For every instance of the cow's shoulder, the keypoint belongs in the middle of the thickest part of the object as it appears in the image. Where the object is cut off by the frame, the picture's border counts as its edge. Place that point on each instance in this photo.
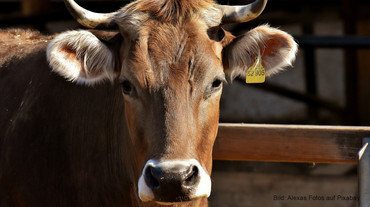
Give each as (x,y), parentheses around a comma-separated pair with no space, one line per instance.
(16,44)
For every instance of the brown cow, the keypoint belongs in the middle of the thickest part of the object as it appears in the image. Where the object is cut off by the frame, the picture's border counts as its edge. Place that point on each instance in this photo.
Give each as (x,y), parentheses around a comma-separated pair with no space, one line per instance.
(144,138)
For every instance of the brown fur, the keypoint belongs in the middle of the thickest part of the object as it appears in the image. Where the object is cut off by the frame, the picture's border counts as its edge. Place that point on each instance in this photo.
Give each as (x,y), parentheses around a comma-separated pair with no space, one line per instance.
(74,148)
(63,144)
(173,71)
(173,10)
(18,43)
(60,144)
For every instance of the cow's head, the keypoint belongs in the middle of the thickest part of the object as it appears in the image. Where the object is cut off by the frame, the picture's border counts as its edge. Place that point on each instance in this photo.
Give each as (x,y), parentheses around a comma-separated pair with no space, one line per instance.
(171,57)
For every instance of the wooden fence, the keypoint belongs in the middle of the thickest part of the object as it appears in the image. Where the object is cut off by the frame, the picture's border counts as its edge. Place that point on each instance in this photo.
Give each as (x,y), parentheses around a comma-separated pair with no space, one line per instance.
(298,143)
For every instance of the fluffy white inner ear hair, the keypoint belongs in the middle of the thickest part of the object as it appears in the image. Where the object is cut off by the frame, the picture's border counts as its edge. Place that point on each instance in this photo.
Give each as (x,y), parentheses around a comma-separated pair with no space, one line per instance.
(81,57)
(276,49)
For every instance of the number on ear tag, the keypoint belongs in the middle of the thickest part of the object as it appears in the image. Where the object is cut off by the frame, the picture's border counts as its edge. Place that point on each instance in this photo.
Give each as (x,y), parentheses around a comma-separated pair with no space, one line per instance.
(256,73)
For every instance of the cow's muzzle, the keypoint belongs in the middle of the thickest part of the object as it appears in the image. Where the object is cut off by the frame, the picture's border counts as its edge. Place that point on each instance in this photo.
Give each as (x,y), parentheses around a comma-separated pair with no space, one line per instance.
(173,181)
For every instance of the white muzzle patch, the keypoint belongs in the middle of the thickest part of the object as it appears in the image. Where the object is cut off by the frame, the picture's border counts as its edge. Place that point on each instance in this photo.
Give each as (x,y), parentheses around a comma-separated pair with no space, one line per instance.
(202,188)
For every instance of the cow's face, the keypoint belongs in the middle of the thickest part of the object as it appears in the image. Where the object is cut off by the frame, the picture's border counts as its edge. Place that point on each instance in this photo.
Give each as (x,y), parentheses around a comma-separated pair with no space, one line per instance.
(171,70)
(172,81)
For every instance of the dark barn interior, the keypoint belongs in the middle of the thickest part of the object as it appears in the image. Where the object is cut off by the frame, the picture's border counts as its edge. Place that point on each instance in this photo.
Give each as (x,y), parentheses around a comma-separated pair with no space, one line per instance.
(328,85)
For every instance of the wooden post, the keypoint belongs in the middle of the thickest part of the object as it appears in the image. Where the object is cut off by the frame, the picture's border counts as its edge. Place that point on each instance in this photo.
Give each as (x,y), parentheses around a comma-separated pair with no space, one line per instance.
(364,173)
(310,73)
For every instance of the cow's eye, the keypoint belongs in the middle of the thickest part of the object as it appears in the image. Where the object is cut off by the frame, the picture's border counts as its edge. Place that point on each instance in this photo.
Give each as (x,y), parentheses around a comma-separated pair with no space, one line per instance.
(216,83)
(126,87)
(214,87)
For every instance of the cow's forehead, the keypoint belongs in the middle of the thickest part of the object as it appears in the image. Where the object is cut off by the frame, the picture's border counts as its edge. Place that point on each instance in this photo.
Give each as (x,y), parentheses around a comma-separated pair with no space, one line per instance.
(165,54)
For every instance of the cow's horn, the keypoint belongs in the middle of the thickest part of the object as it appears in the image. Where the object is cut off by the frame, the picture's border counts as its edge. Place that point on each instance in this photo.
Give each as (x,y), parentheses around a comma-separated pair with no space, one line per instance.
(90,19)
(239,14)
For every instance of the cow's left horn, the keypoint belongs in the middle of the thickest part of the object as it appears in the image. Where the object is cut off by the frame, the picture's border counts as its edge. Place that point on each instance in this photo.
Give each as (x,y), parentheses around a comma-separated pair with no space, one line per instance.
(239,14)
(90,19)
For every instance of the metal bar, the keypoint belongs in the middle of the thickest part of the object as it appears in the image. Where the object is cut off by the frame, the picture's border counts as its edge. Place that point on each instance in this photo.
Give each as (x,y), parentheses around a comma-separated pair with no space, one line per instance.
(297,96)
(349,10)
(363,173)
(333,42)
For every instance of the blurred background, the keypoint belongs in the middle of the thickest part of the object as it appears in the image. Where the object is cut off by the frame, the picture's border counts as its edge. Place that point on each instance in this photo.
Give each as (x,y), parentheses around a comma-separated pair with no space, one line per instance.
(328,84)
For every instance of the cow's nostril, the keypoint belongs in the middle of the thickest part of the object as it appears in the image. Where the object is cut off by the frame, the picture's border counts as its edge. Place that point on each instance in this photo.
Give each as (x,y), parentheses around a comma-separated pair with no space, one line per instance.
(150,178)
(192,177)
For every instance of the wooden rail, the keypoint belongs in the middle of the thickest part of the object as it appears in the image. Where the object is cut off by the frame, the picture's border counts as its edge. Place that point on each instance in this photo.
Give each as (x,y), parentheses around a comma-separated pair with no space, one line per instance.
(289,143)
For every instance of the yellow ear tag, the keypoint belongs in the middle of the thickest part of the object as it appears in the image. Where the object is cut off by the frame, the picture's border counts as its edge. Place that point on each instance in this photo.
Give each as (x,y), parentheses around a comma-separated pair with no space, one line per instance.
(256,73)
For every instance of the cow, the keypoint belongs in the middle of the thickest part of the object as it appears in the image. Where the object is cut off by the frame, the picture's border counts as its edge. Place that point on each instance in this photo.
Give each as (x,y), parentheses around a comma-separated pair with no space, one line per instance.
(125,113)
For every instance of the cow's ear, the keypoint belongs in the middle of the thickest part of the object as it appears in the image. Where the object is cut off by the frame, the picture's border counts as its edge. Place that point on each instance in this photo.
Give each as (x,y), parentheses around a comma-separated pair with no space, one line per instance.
(274,47)
(84,57)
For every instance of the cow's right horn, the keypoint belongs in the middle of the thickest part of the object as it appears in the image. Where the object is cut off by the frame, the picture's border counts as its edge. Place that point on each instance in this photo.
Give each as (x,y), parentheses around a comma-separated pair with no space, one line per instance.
(91,19)
(239,14)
